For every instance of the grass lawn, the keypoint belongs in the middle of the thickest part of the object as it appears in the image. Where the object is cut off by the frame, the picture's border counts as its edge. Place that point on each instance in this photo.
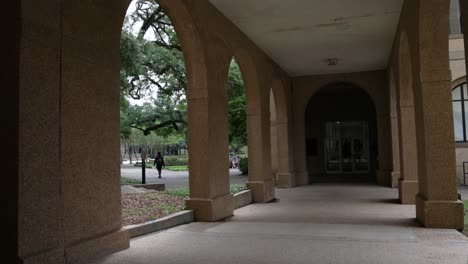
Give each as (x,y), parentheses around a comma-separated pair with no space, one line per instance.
(138,208)
(184,192)
(177,168)
(128,181)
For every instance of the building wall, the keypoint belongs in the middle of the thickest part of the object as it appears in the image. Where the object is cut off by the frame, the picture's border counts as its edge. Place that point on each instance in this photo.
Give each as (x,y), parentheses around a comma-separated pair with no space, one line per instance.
(458,68)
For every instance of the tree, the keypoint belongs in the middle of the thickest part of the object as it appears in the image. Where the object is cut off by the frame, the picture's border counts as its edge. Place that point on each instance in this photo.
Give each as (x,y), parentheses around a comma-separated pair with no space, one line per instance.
(153,68)
(151,64)
(237,117)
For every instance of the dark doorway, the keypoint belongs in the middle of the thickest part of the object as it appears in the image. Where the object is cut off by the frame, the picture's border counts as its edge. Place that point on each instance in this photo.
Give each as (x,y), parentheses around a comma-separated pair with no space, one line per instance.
(341,135)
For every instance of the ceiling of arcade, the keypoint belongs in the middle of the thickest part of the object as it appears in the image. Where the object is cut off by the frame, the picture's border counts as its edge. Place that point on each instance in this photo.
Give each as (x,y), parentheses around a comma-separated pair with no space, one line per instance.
(308,37)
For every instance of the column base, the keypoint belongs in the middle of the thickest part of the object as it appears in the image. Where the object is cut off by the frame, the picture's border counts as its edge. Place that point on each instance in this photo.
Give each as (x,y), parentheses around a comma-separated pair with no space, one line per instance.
(211,210)
(98,247)
(302,178)
(56,256)
(407,191)
(84,251)
(262,191)
(384,178)
(396,179)
(285,180)
(439,214)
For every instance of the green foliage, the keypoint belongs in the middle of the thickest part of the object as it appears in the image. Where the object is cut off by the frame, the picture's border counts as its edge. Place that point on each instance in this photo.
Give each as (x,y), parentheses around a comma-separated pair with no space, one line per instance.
(177,168)
(237,121)
(236,188)
(176,160)
(185,192)
(182,192)
(152,63)
(237,117)
(244,165)
(128,181)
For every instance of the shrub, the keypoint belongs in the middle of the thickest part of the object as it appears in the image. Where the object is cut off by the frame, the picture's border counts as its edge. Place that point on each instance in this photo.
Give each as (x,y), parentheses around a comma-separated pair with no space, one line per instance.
(236,188)
(176,160)
(244,165)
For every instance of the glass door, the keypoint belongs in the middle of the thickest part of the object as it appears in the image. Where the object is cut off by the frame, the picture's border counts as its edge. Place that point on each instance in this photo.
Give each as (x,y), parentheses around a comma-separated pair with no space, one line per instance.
(347,147)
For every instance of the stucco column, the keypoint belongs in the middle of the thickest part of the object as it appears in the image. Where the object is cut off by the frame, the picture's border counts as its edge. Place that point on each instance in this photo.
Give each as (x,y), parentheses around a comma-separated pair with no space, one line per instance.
(437,202)
(408,183)
(261,180)
(385,163)
(285,177)
(210,196)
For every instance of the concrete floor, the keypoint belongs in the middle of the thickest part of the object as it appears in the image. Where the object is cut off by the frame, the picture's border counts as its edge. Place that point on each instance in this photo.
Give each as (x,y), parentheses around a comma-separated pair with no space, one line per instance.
(324,223)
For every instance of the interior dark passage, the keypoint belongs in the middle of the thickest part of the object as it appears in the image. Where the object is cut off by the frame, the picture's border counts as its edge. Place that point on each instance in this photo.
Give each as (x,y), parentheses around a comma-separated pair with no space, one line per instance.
(341,135)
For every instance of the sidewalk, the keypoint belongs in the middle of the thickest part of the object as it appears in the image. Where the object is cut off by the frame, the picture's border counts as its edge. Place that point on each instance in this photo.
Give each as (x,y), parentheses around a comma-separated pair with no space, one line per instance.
(172,179)
(324,223)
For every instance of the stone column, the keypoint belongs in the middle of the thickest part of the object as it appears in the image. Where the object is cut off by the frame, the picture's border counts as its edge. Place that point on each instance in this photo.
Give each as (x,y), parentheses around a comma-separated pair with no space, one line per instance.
(210,196)
(286,178)
(385,164)
(408,183)
(260,176)
(437,204)
(395,133)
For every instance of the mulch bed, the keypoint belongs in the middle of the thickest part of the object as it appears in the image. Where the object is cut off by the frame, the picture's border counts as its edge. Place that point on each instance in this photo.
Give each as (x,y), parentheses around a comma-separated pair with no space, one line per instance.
(138,208)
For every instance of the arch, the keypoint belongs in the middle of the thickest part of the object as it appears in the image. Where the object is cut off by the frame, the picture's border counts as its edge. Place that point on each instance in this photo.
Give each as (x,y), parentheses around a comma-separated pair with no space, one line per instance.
(190,41)
(257,94)
(341,107)
(458,82)
(280,99)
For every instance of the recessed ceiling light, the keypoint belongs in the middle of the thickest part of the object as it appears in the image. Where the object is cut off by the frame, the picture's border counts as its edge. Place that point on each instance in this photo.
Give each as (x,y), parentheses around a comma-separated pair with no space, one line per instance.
(332,61)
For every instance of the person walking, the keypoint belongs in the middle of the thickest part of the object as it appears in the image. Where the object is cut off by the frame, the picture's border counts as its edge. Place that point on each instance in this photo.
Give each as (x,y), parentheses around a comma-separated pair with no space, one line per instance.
(159,163)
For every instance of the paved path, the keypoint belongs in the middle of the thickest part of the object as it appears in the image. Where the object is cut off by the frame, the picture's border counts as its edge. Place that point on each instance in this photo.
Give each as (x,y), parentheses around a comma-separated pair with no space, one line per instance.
(324,223)
(172,179)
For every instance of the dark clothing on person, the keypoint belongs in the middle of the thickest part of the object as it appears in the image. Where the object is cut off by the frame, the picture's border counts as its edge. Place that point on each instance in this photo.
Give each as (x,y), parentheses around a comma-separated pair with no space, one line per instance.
(159,163)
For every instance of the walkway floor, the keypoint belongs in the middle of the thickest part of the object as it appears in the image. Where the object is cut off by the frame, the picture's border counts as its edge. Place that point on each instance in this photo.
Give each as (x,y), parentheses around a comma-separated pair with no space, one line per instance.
(324,223)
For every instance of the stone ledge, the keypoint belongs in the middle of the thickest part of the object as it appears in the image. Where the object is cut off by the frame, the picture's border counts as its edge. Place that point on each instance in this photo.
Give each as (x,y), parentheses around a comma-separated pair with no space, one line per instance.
(242,199)
(173,220)
(155,186)
(86,251)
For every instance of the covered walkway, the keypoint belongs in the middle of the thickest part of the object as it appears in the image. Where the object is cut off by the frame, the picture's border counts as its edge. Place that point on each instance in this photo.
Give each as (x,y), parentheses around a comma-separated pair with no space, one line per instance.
(323,223)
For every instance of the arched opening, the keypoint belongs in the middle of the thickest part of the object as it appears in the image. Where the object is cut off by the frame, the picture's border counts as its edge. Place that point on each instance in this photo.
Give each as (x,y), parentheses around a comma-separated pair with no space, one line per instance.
(237,124)
(341,134)
(153,115)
